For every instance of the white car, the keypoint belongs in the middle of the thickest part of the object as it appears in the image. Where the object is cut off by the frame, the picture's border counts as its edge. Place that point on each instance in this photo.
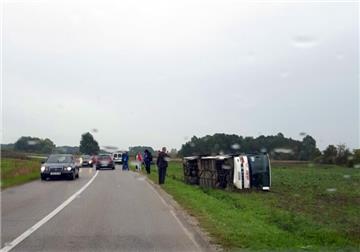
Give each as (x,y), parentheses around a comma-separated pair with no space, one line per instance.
(117,157)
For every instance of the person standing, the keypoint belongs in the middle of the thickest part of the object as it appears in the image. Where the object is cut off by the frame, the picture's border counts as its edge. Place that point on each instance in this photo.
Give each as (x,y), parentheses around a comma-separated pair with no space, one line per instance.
(162,164)
(139,160)
(125,161)
(147,160)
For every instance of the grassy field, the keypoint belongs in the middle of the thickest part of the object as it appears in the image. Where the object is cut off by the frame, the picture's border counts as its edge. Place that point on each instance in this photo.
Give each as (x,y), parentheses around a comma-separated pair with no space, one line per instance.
(18,171)
(309,208)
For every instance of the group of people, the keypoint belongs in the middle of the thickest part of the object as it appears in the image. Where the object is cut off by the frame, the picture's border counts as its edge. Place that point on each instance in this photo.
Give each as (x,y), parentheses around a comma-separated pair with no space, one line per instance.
(146,159)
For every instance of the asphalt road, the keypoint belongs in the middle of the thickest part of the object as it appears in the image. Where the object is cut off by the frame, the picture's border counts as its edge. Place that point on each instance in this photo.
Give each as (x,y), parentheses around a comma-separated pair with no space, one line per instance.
(117,211)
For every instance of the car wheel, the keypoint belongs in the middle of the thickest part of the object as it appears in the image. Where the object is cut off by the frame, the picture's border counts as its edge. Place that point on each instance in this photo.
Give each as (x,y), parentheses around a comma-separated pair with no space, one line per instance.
(43,178)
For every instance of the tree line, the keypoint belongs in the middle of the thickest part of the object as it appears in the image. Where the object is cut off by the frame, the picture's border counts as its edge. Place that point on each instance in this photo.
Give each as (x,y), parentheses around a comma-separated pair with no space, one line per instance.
(277,146)
(340,155)
(88,145)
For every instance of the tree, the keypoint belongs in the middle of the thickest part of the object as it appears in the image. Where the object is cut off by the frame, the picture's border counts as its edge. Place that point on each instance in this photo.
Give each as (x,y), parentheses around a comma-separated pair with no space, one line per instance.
(22,144)
(173,153)
(280,135)
(343,154)
(88,145)
(329,155)
(308,149)
(47,146)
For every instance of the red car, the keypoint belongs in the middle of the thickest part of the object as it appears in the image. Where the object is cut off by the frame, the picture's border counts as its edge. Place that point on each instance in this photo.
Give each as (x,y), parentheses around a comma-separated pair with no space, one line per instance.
(104,161)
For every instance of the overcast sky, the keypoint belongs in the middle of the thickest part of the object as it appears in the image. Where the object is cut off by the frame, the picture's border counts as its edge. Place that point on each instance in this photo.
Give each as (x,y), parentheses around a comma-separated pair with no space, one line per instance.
(158,72)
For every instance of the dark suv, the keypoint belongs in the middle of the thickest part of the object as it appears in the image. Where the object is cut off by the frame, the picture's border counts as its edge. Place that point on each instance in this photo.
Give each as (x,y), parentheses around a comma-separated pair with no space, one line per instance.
(59,165)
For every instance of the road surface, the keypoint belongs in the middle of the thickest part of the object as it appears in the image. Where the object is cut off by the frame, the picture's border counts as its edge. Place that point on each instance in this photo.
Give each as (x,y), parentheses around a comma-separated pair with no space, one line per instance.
(115,211)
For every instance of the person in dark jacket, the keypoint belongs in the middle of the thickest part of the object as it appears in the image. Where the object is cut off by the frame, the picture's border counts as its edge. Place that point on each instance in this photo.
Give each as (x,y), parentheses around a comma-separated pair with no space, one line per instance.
(147,160)
(162,165)
(125,160)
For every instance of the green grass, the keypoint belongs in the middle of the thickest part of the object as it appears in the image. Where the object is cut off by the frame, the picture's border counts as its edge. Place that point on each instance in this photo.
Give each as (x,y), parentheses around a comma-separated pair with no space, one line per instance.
(298,214)
(18,171)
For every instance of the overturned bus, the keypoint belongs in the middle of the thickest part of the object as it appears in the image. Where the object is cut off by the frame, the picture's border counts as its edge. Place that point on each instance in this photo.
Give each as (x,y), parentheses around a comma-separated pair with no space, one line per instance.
(228,171)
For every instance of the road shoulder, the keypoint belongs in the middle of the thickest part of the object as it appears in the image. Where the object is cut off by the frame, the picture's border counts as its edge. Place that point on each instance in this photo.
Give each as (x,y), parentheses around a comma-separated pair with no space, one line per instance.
(191,225)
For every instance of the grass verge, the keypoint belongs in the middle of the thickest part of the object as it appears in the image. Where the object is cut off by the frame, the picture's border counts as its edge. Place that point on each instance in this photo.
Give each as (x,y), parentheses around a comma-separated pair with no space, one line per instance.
(311,208)
(18,171)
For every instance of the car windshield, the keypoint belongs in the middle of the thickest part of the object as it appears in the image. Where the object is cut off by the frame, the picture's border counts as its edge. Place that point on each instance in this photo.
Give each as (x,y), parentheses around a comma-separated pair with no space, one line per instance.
(85,157)
(59,159)
(103,157)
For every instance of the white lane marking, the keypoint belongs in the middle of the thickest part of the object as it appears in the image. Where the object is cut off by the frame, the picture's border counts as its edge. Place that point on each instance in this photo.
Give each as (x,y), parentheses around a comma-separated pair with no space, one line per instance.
(186,231)
(27,233)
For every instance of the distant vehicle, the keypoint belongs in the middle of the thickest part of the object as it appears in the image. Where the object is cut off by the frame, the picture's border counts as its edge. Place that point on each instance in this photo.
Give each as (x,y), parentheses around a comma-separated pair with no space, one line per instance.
(117,157)
(86,160)
(59,165)
(93,160)
(104,161)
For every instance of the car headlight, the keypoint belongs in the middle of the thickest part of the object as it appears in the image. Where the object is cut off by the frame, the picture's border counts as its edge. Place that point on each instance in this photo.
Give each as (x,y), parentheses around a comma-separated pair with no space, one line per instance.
(42,168)
(69,168)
